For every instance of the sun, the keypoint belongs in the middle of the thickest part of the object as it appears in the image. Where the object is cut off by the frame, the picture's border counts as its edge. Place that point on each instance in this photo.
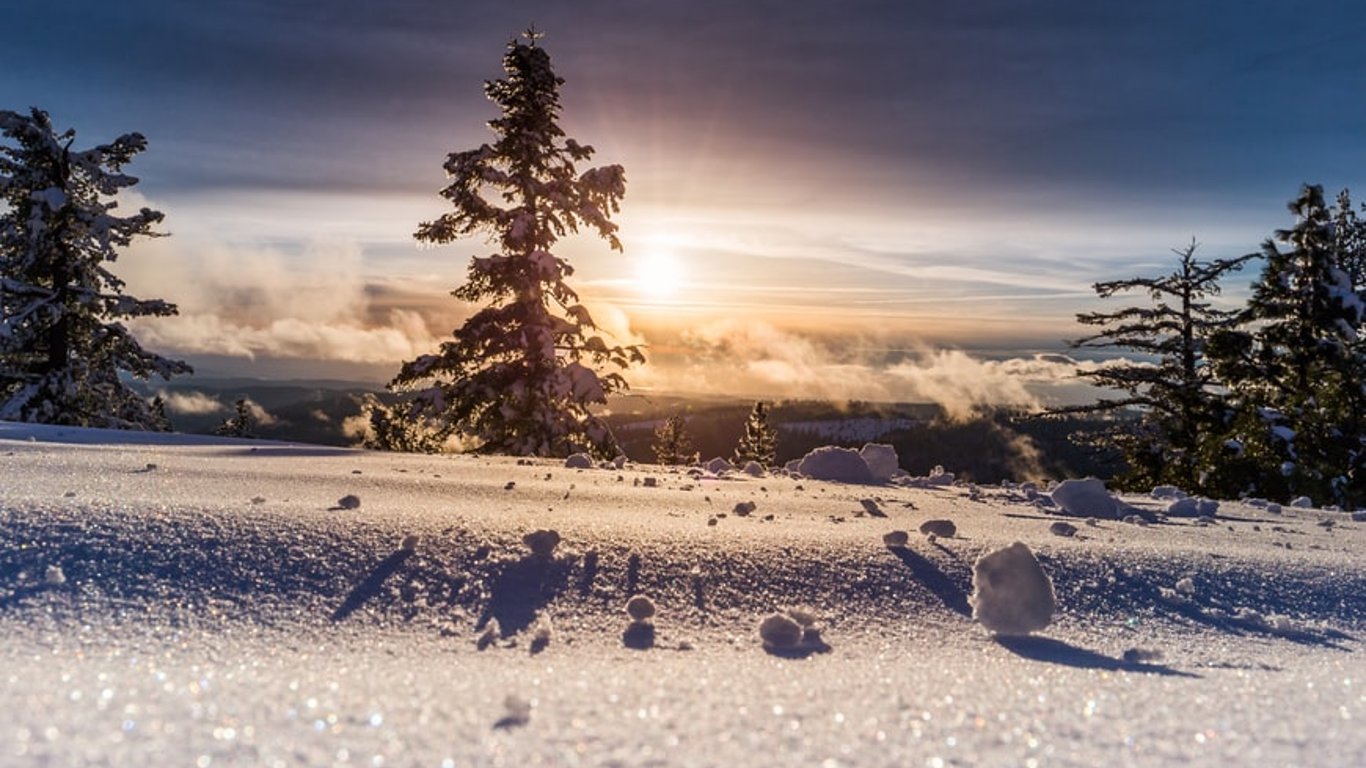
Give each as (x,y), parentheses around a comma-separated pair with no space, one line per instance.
(659,275)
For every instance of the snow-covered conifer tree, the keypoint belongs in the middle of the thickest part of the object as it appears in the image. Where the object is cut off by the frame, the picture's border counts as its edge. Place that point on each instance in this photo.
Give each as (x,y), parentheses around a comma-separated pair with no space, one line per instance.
(62,349)
(1295,365)
(520,375)
(673,444)
(240,423)
(759,441)
(1172,386)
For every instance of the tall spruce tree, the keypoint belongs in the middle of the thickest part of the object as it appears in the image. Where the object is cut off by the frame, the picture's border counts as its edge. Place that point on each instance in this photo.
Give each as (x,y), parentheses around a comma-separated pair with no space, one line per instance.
(759,441)
(1172,386)
(520,375)
(62,349)
(1295,366)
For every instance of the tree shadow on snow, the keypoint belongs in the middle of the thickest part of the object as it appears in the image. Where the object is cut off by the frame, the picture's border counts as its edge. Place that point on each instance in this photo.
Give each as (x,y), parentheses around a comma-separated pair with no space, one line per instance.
(1054,651)
(935,580)
(523,588)
(370,587)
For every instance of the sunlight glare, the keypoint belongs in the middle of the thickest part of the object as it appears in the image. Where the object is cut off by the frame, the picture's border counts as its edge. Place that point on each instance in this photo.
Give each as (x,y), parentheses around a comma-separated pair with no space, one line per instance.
(659,275)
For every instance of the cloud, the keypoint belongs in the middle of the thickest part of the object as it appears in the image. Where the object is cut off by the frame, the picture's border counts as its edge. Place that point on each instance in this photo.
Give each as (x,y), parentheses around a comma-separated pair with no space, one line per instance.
(191,403)
(249,301)
(756,359)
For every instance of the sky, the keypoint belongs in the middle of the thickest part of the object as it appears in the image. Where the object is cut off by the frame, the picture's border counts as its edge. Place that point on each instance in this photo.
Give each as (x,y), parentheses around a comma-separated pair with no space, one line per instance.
(871,200)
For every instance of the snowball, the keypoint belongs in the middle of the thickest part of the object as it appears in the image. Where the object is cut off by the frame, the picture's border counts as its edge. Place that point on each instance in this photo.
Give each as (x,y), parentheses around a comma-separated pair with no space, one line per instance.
(1302,502)
(640,608)
(881,460)
(718,466)
(1085,498)
(894,539)
(841,465)
(753,469)
(542,543)
(579,461)
(780,631)
(745,509)
(1273,508)
(349,501)
(944,529)
(1011,595)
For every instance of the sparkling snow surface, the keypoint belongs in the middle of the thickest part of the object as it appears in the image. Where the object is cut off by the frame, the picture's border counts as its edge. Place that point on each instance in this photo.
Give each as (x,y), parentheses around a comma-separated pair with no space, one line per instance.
(217,607)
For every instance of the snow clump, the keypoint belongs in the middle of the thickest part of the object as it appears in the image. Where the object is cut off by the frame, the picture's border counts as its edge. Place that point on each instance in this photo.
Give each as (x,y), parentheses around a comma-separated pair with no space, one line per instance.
(840,465)
(943,529)
(895,539)
(881,460)
(54,576)
(718,466)
(349,501)
(1061,528)
(1011,595)
(753,469)
(640,608)
(1302,502)
(542,543)
(579,461)
(1085,498)
(780,631)
(744,509)
(1167,492)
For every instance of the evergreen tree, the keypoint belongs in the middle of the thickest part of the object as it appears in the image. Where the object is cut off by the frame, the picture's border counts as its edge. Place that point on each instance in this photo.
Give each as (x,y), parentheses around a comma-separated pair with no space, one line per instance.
(519,376)
(673,444)
(1172,386)
(1295,364)
(759,441)
(240,424)
(62,349)
(391,430)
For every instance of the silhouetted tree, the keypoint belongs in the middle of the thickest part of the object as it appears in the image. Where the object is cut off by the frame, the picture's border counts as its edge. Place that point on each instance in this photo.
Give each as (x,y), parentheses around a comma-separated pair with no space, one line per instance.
(391,430)
(1172,385)
(62,349)
(673,444)
(519,376)
(240,423)
(759,440)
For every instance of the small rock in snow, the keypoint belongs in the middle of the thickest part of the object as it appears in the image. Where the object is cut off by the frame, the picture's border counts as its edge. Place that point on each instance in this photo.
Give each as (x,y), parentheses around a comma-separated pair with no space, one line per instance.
(1061,528)
(1011,595)
(640,608)
(1085,498)
(780,631)
(579,461)
(349,501)
(542,543)
(509,485)
(943,529)
(516,712)
(895,539)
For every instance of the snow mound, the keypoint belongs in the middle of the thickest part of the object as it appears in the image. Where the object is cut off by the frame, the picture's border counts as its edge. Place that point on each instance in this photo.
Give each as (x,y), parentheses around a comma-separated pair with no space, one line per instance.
(718,466)
(839,465)
(1085,498)
(1011,595)
(1302,502)
(753,469)
(882,461)
(937,478)
(579,461)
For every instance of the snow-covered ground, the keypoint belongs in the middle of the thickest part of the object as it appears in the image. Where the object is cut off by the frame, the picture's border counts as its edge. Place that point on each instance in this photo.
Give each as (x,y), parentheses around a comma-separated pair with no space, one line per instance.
(170,601)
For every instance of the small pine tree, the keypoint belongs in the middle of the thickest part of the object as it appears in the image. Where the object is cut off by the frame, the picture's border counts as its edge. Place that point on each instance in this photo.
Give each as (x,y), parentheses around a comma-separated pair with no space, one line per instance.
(759,441)
(1175,394)
(673,444)
(392,430)
(519,376)
(62,349)
(240,424)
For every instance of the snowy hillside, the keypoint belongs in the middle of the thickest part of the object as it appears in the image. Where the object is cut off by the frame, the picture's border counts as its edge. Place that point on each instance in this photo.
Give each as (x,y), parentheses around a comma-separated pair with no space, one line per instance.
(203,601)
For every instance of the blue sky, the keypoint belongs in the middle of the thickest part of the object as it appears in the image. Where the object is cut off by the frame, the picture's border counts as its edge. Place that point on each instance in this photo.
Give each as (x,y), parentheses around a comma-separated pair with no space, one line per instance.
(848,177)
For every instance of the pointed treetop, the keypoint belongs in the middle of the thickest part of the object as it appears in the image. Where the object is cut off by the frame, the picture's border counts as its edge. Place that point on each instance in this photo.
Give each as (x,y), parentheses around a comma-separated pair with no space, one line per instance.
(533,34)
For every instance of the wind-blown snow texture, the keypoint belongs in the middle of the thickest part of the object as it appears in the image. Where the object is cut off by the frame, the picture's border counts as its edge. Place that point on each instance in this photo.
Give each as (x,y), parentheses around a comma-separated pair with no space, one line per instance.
(170,601)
